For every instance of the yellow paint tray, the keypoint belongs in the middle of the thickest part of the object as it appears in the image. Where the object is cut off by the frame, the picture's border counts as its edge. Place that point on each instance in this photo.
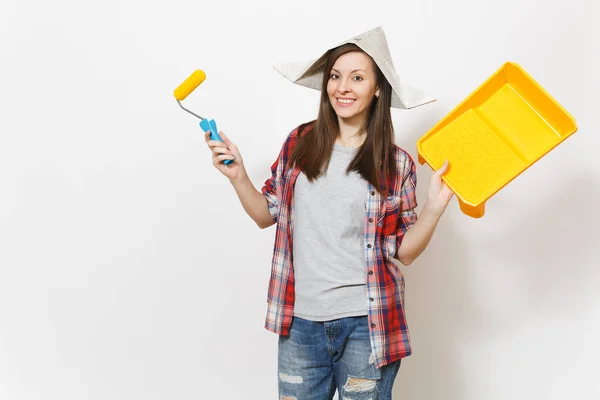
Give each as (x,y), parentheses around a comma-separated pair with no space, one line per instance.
(500,130)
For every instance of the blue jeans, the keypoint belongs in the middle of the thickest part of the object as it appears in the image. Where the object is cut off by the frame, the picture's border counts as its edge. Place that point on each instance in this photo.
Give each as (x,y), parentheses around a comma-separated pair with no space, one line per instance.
(318,358)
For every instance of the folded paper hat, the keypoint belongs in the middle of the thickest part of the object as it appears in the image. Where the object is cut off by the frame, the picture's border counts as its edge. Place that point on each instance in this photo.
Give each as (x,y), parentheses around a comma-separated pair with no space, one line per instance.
(373,43)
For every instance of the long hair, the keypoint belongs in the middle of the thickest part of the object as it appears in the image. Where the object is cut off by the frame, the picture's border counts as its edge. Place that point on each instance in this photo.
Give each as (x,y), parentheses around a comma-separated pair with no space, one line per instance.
(375,160)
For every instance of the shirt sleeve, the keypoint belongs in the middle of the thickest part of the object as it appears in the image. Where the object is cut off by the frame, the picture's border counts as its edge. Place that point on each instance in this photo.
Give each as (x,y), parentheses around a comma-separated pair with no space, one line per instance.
(270,190)
(408,204)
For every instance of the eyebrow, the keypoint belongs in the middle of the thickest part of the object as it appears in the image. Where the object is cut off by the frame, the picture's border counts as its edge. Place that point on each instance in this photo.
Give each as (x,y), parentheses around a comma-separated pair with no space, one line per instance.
(356,70)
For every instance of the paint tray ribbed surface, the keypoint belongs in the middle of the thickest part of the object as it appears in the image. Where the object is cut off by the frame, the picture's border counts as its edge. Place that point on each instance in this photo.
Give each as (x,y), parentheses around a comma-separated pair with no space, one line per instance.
(496,133)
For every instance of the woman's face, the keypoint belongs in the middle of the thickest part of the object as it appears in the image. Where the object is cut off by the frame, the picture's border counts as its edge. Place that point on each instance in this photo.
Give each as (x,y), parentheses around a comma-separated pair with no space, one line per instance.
(352,86)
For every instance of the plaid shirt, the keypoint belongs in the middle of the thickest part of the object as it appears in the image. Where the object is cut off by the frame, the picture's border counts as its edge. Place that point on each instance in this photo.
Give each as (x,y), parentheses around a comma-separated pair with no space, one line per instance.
(387,218)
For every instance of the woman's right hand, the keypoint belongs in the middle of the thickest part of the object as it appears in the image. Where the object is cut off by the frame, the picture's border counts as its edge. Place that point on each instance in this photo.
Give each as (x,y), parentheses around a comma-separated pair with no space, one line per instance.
(226,150)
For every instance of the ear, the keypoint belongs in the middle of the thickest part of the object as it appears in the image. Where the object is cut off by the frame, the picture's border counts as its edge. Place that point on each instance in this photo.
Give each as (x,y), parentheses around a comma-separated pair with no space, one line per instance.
(377,93)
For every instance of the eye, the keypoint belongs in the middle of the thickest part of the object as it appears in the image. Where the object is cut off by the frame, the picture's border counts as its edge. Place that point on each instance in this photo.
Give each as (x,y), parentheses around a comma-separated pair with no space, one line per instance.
(334,76)
(358,78)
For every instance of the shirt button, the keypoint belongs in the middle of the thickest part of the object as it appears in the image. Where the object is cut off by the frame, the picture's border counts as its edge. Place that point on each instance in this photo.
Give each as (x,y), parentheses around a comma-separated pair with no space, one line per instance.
(373,193)
(372,299)
(369,245)
(370,272)
(372,325)
(370,219)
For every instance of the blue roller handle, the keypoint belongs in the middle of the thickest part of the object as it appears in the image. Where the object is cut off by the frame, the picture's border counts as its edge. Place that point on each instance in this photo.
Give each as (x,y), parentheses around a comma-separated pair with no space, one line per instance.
(211,126)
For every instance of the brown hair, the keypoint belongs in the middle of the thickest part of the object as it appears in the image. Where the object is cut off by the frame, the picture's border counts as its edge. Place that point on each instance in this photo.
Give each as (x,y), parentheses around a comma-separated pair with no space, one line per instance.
(375,160)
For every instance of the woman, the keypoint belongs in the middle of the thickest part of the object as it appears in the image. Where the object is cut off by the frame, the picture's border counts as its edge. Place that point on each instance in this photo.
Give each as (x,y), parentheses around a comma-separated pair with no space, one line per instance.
(343,197)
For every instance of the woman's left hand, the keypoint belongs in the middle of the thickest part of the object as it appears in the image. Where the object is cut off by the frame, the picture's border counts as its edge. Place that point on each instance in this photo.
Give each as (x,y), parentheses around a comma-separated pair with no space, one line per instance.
(438,193)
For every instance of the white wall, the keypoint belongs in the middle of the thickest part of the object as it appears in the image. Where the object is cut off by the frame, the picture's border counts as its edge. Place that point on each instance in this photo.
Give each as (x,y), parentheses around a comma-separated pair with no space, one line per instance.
(128,270)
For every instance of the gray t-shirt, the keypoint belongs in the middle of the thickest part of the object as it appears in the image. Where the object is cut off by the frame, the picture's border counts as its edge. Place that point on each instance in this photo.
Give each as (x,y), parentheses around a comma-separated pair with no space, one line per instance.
(328,242)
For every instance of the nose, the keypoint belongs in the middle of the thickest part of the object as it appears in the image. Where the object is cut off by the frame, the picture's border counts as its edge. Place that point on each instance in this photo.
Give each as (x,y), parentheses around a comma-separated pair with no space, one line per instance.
(343,87)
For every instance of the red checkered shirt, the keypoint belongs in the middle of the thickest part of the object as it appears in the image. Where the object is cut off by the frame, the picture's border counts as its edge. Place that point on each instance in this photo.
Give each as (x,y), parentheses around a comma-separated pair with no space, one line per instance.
(387,219)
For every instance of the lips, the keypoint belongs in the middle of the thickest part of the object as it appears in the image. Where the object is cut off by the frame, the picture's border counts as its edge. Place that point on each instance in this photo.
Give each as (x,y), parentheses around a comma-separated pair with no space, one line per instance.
(344,102)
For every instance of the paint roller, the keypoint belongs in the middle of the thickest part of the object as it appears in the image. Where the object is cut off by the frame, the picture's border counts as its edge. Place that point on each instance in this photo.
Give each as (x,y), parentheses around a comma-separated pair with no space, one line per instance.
(182,91)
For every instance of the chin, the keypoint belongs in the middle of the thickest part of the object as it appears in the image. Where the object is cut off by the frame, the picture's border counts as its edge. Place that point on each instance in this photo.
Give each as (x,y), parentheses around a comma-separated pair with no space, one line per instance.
(346,117)
(346,114)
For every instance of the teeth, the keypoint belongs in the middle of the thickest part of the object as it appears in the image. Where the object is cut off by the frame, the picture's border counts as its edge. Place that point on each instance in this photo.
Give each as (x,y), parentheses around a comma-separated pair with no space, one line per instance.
(345,101)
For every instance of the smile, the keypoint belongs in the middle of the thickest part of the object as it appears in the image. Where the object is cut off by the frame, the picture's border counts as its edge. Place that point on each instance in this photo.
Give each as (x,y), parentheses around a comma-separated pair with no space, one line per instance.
(345,102)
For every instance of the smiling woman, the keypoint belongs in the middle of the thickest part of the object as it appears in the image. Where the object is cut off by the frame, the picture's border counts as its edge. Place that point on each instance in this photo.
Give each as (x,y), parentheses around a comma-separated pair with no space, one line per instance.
(352,90)
(343,197)
(352,115)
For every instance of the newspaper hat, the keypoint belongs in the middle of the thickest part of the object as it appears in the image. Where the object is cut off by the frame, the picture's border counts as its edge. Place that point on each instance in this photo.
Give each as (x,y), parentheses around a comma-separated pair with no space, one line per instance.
(373,43)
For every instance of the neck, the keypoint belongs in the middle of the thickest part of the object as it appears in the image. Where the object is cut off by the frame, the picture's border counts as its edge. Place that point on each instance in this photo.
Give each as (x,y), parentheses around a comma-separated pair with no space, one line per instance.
(351,133)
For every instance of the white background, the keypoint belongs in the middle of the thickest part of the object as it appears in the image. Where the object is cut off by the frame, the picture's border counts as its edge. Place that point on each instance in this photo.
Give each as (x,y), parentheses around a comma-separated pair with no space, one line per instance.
(128,269)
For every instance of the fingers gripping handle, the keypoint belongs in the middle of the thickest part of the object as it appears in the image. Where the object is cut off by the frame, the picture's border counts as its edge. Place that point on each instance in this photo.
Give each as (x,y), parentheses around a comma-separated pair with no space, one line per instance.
(211,126)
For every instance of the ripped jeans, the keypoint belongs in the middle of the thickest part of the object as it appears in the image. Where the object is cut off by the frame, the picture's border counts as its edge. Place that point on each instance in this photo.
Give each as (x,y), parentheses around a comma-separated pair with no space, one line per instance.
(318,358)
